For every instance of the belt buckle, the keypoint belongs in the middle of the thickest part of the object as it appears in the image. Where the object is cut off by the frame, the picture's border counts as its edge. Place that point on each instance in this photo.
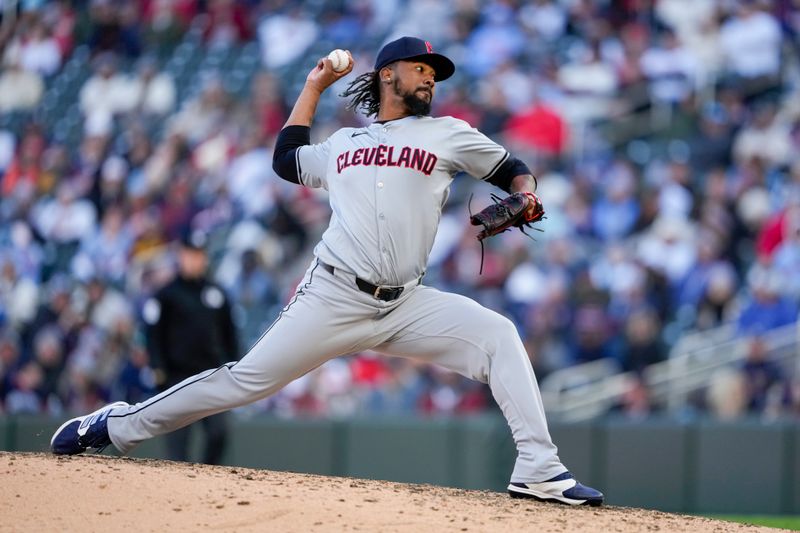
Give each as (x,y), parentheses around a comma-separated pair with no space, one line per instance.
(391,293)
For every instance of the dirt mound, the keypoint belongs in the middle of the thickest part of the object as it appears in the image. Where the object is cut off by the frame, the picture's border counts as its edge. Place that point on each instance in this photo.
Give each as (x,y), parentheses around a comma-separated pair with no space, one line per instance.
(42,492)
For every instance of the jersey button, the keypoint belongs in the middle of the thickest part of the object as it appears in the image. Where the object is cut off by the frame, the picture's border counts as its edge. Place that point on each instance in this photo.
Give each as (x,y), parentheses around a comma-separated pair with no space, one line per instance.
(380,185)
(381,216)
(385,251)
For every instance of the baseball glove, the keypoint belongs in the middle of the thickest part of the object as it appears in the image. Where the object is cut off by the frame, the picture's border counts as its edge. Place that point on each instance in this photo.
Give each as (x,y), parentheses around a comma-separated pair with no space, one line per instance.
(518,210)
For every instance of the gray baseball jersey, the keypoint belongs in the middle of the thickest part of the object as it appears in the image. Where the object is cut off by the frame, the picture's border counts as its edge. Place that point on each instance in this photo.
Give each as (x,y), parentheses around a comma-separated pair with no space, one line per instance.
(387,183)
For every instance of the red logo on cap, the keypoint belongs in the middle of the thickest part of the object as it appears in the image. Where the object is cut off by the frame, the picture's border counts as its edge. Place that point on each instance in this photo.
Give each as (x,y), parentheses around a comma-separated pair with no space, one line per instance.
(428,47)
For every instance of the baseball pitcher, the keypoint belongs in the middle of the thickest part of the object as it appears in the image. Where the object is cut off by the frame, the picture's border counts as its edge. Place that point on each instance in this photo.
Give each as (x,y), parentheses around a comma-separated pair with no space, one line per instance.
(363,290)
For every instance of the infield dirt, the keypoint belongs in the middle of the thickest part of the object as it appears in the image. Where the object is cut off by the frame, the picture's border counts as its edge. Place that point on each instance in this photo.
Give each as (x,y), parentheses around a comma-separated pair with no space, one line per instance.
(42,492)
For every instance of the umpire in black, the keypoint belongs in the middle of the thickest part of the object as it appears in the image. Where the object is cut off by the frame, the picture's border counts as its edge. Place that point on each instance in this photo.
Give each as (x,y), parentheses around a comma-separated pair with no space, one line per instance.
(189,330)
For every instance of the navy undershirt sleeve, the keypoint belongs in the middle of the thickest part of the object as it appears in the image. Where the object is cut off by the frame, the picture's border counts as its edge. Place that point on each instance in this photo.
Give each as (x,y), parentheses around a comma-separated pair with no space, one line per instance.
(284,161)
(511,168)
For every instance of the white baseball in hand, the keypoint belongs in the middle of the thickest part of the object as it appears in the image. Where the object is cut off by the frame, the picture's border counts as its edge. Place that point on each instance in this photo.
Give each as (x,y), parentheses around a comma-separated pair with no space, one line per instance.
(339,60)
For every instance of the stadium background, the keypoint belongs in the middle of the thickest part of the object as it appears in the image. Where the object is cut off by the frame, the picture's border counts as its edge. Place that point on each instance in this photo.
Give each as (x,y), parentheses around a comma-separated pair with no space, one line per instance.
(664,134)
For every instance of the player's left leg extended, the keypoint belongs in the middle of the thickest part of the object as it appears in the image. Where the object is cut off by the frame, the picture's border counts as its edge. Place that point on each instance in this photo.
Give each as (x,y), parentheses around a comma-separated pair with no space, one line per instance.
(459,334)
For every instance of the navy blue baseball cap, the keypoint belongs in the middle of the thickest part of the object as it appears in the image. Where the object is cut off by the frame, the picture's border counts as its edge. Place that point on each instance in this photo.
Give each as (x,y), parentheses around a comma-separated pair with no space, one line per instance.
(414,49)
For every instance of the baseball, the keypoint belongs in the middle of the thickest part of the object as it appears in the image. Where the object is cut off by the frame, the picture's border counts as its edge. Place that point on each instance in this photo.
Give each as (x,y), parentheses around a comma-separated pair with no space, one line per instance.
(339,60)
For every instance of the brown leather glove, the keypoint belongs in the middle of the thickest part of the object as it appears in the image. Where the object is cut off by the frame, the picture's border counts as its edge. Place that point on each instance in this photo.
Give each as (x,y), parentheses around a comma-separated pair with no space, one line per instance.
(517,210)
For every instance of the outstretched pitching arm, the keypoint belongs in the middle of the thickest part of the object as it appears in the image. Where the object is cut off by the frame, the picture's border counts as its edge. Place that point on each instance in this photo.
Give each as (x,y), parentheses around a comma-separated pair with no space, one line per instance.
(297,130)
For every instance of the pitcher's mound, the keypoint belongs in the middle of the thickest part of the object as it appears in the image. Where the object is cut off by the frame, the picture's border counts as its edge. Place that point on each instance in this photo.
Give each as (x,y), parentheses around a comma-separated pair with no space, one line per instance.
(42,492)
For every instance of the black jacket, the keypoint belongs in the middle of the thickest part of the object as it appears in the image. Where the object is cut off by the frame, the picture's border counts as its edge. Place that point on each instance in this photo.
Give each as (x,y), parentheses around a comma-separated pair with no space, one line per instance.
(189,329)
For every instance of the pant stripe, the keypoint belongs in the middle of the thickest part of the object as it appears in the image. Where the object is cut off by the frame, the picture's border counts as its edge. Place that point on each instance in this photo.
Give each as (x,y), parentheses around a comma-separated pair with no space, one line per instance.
(285,309)
(226,365)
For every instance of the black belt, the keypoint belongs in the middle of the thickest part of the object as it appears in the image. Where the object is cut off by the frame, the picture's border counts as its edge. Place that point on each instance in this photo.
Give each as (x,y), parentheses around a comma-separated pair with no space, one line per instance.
(387,294)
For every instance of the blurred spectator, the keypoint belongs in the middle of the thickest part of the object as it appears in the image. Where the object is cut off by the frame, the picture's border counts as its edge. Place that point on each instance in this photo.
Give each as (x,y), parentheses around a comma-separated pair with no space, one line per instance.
(624,279)
(546,19)
(166,21)
(7,142)
(711,145)
(590,85)
(643,345)
(767,307)
(203,115)
(64,219)
(88,173)
(593,334)
(539,128)
(686,18)
(774,229)
(342,26)
(285,37)
(636,403)
(761,376)
(457,103)
(106,94)
(57,166)
(793,393)
(726,396)
(23,251)
(256,295)
(400,391)
(429,18)
(692,287)
(675,197)
(25,396)
(38,51)
(153,91)
(54,308)
(751,43)
(766,138)
(269,107)
(633,85)
(179,207)
(136,381)
(669,248)
(670,70)
(787,254)
(18,294)
(162,163)
(497,40)
(451,394)
(20,89)
(110,187)
(716,305)
(250,179)
(9,361)
(615,213)
(60,18)
(227,23)
(48,354)
(115,27)
(495,110)
(25,169)
(105,252)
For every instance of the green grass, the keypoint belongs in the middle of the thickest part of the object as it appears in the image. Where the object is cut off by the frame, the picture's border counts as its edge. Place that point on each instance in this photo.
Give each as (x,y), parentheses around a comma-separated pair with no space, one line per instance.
(781,521)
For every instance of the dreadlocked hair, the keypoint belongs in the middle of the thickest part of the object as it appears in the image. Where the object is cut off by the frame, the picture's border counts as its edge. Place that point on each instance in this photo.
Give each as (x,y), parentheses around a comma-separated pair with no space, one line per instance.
(364,93)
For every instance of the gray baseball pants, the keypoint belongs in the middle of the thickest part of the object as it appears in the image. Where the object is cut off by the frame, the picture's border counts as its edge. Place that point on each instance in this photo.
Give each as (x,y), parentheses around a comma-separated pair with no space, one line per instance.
(328,317)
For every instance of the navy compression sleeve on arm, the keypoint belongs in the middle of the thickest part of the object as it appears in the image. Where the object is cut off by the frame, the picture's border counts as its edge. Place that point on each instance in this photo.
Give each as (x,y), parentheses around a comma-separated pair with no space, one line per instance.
(511,168)
(283,158)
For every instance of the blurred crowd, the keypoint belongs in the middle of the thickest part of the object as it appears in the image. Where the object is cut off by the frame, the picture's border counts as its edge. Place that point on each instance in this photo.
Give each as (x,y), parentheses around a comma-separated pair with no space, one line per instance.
(665,136)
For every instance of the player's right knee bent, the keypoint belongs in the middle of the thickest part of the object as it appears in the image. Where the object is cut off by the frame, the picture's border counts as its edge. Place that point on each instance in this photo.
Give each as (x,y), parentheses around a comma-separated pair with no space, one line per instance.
(501,328)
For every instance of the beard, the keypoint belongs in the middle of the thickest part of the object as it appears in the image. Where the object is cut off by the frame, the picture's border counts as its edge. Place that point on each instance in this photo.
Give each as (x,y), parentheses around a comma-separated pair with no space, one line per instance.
(414,104)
